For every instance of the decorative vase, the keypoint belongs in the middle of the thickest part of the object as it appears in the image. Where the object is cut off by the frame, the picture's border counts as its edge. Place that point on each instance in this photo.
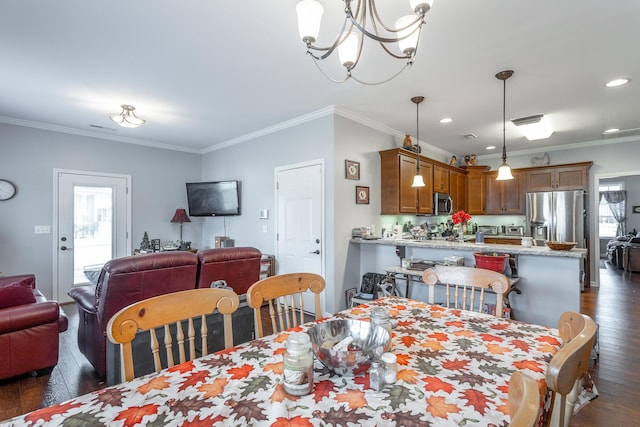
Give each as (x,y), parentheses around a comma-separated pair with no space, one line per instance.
(460,232)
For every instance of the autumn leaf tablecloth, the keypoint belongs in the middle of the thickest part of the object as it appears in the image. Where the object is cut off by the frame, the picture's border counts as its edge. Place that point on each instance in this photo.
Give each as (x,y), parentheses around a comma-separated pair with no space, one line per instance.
(453,370)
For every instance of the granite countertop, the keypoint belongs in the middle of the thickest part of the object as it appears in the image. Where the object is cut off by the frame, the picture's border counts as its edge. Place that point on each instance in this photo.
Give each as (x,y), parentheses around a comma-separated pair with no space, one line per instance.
(476,247)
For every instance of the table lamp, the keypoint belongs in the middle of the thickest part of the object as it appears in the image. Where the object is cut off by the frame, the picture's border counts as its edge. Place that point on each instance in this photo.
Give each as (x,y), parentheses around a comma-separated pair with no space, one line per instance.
(181,217)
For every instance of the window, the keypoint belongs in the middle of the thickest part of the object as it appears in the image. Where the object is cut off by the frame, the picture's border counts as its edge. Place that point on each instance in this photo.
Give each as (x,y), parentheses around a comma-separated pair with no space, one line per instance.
(607,223)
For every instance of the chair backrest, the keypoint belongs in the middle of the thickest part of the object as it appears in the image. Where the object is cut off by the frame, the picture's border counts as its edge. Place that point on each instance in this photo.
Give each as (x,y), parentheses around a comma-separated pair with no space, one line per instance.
(465,287)
(239,267)
(165,310)
(569,364)
(524,400)
(283,293)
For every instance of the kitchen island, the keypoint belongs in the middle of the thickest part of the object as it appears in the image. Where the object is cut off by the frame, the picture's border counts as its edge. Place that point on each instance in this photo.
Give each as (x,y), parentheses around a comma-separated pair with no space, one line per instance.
(550,281)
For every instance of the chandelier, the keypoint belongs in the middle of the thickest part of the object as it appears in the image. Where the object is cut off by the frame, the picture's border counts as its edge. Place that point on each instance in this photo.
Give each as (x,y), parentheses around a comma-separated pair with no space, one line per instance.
(362,20)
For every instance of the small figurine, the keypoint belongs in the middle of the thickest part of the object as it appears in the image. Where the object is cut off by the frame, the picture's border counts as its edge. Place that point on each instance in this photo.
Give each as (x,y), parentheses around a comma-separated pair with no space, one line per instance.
(473,160)
(407,142)
(467,160)
(453,161)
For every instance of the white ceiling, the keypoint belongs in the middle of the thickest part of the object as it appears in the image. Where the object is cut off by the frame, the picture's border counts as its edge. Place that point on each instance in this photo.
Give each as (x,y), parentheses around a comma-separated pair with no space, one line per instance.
(206,72)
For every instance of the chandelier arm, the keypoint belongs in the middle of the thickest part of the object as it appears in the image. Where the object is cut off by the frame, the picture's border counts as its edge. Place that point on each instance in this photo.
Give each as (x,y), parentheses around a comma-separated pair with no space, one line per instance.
(329,77)
(377,37)
(342,35)
(376,17)
(408,64)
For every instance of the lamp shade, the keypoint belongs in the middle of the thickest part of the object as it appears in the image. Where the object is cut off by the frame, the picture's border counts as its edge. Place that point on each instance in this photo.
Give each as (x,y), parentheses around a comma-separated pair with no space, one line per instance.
(309,17)
(405,29)
(504,172)
(180,216)
(348,50)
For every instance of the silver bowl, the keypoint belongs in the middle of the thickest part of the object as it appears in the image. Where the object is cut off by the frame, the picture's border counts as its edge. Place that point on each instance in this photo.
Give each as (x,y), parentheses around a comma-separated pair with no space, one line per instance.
(368,343)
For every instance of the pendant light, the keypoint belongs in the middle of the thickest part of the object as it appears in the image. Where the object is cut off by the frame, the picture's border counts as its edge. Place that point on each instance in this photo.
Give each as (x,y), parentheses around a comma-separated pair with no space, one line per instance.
(504,172)
(417,180)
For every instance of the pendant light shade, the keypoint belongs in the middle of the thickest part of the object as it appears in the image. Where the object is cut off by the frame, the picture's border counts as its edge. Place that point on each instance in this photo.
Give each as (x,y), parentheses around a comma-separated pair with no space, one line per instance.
(417,180)
(504,172)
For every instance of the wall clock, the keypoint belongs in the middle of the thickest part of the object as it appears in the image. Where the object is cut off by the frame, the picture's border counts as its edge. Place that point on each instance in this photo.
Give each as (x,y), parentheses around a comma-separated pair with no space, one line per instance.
(7,189)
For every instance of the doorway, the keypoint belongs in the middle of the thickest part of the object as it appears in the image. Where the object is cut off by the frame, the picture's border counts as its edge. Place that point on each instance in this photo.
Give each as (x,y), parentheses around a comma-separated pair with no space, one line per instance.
(300,240)
(92,220)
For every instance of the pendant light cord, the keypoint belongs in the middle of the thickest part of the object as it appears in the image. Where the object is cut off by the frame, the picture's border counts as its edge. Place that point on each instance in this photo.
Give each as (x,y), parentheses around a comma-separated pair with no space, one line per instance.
(504,119)
(417,138)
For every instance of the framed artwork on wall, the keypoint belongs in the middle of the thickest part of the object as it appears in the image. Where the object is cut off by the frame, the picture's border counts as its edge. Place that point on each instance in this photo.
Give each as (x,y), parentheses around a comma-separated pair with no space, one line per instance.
(362,195)
(351,169)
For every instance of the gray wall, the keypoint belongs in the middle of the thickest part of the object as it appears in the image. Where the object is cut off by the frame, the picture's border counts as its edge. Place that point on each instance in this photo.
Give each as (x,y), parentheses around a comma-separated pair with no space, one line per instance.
(28,157)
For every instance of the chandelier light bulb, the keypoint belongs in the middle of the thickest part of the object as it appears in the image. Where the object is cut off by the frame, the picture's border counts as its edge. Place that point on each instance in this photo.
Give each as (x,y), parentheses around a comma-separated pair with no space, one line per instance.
(405,28)
(348,51)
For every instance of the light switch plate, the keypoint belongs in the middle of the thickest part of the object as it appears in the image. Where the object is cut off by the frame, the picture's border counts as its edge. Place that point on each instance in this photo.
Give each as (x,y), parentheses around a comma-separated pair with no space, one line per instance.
(41,229)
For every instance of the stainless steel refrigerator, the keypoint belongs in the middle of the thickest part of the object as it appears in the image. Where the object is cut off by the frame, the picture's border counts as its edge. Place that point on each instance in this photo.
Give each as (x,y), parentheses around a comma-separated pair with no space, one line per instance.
(556,216)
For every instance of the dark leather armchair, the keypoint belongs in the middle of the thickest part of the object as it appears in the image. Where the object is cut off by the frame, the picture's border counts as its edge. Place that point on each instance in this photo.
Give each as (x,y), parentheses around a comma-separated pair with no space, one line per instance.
(124,281)
(239,267)
(28,321)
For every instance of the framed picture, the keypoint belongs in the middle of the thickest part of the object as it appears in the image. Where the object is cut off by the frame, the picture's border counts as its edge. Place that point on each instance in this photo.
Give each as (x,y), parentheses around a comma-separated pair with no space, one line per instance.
(351,169)
(348,296)
(362,195)
(636,209)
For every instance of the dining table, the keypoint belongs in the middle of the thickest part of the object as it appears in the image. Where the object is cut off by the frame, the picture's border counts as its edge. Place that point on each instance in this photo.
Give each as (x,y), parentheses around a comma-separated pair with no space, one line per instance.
(453,369)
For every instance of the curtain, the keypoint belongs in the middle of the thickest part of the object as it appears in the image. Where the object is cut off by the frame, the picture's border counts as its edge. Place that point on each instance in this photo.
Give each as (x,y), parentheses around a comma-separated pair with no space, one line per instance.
(617,201)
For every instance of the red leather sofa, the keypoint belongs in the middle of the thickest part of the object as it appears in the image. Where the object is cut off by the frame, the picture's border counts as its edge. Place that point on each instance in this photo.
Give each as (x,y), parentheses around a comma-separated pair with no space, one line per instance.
(29,327)
(238,267)
(124,281)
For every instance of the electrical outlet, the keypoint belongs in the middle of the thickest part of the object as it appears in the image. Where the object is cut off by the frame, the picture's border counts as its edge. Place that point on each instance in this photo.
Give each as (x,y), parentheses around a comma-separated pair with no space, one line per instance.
(41,229)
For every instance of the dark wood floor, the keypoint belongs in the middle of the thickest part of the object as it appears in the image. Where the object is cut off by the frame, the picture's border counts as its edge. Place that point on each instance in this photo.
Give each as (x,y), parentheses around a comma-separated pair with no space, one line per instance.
(617,377)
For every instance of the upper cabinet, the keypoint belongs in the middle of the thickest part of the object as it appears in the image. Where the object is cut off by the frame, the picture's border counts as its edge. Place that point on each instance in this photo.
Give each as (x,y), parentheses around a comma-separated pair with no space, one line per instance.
(398,167)
(441,180)
(505,197)
(573,176)
(476,193)
(458,190)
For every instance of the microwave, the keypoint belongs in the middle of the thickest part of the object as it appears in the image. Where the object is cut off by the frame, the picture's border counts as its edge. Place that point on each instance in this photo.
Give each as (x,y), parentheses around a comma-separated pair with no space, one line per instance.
(442,204)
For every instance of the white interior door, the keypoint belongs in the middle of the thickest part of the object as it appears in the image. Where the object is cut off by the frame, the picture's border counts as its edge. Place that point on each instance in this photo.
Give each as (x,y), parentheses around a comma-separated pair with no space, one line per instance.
(92,225)
(300,222)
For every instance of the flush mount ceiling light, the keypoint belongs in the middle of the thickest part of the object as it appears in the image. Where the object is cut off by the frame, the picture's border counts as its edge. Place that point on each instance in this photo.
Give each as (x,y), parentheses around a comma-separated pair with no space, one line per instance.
(127,117)
(362,20)
(534,127)
(417,180)
(504,172)
(616,82)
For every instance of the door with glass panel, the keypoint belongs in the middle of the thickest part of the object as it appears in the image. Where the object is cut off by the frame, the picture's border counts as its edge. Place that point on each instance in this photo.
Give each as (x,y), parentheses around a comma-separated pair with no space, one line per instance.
(93,224)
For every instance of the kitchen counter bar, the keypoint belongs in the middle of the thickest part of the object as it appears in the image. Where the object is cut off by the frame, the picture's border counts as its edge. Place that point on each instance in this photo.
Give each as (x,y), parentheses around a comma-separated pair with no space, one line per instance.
(550,281)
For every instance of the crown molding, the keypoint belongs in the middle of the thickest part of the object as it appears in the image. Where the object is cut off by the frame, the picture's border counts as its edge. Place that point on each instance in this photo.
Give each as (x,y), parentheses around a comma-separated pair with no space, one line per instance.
(94,134)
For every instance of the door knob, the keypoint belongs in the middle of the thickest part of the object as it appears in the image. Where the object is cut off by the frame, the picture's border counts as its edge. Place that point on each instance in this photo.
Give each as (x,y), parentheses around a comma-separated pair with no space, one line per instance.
(64,248)
(317,251)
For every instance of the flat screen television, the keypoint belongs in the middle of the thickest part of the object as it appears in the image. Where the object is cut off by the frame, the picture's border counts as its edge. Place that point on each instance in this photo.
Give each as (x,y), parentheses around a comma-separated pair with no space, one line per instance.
(220,198)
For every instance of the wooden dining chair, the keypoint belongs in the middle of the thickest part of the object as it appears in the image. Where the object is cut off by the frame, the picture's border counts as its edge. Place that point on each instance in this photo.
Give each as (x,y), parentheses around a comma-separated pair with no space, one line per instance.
(165,310)
(524,400)
(283,294)
(465,286)
(569,364)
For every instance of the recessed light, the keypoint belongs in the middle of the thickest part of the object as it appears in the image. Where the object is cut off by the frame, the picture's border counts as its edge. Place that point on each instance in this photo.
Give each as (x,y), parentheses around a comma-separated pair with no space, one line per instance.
(491,147)
(616,82)
(612,130)
(446,120)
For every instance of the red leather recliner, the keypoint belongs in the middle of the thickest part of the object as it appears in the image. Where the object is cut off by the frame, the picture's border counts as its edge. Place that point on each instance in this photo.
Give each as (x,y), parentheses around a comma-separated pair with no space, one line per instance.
(27,322)
(124,281)
(239,267)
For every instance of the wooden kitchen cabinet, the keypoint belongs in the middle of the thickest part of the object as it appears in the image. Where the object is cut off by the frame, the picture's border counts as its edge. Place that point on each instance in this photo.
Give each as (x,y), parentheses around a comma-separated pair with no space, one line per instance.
(458,190)
(476,193)
(441,179)
(505,197)
(398,167)
(573,176)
